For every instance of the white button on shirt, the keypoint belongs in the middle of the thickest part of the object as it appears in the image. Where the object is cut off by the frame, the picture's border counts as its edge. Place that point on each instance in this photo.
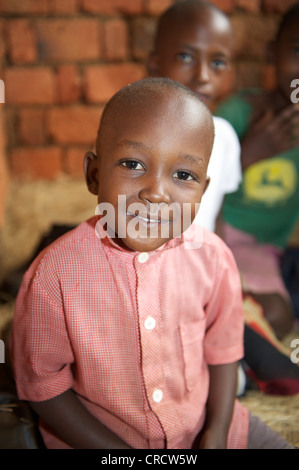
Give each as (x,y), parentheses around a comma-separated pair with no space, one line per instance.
(150,323)
(143,257)
(157,395)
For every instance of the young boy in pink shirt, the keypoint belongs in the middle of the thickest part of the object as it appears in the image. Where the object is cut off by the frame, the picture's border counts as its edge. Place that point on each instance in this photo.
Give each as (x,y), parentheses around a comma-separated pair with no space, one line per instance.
(128,329)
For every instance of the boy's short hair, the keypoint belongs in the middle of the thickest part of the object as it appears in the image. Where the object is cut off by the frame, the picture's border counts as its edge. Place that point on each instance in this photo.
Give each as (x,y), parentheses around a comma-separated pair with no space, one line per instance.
(137,91)
(178,10)
(291,15)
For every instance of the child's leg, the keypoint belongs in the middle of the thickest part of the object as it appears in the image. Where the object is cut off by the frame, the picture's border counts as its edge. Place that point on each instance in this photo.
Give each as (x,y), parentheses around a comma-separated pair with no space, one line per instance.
(262,437)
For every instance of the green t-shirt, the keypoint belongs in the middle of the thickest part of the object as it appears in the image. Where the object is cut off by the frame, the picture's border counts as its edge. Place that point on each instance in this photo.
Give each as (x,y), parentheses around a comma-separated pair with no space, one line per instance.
(266,203)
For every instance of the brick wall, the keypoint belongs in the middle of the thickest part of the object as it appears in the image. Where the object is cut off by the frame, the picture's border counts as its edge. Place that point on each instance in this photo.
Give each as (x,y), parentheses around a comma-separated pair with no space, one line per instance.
(62,60)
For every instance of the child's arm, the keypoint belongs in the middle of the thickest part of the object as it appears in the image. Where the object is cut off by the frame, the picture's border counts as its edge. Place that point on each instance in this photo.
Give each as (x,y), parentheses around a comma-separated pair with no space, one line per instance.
(220,405)
(73,423)
(271,135)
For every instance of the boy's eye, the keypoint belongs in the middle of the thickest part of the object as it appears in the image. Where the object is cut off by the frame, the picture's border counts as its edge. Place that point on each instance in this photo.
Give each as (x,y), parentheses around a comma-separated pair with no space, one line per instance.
(219,64)
(184,57)
(132,165)
(183,176)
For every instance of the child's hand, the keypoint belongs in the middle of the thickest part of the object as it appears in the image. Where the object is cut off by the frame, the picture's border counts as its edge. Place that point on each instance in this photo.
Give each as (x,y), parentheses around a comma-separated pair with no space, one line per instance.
(271,135)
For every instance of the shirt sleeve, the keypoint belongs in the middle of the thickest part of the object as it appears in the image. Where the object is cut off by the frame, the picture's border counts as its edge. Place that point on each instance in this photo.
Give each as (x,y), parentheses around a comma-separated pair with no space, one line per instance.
(224,341)
(40,347)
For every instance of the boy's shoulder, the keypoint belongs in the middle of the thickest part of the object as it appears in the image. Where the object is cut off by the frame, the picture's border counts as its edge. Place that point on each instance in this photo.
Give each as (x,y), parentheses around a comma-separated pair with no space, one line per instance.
(198,237)
(204,248)
(68,244)
(83,231)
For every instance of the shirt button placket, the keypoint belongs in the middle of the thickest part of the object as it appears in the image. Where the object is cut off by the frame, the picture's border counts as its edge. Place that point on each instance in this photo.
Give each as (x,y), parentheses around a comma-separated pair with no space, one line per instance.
(150,325)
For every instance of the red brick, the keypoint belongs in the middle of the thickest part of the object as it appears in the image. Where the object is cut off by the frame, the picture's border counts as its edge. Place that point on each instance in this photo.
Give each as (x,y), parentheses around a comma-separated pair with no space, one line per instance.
(2,40)
(253,6)
(69,39)
(277,6)
(69,84)
(74,124)
(32,126)
(116,40)
(249,45)
(11,126)
(103,81)
(73,161)
(143,30)
(25,85)
(111,7)
(21,42)
(4,175)
(156,7)
(4,184)
(24,7)
(65,7)
(249,74)
(225,5)
(2,91)
(36,163)
(3,140)
(269,77)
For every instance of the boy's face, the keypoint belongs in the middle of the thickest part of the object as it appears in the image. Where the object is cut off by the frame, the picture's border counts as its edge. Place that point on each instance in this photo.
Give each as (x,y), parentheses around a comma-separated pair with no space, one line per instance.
(287,58)
(153,157)
(198,54)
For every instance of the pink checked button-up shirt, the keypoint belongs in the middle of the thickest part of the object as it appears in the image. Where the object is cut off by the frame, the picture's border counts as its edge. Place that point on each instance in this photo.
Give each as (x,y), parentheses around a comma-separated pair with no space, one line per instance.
(131,333)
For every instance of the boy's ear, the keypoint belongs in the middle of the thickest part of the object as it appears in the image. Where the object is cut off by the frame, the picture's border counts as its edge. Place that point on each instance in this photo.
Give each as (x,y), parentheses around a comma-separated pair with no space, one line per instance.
(90,166)
(152,65)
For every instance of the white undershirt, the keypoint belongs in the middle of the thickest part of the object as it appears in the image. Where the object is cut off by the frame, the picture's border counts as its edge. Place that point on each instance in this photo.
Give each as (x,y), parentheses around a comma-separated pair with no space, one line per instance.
(224,171)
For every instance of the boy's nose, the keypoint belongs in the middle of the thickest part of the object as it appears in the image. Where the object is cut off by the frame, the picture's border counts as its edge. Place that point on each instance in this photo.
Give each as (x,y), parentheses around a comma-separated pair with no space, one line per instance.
(155,192)
(202,72)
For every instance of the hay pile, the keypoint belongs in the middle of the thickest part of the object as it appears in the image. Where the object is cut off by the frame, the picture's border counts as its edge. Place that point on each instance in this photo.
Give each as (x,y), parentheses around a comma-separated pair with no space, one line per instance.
(280,413)
(30,211)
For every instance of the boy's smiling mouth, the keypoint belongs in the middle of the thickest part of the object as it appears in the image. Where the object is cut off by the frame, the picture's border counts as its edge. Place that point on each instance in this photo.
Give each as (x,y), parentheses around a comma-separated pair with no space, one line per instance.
(149,219)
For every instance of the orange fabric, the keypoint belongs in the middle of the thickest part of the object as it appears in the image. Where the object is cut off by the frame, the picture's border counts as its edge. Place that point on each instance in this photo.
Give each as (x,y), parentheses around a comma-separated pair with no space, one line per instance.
(255,318)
